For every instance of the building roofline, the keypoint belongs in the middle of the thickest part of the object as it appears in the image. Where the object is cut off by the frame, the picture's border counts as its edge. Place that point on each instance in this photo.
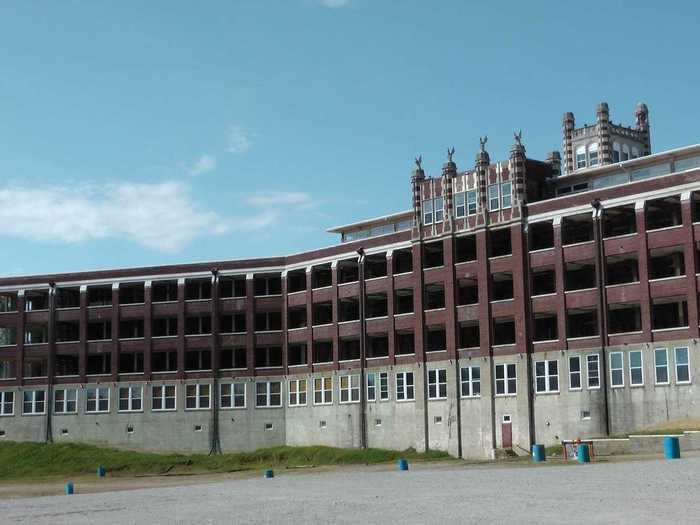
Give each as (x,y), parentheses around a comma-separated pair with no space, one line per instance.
(367,222)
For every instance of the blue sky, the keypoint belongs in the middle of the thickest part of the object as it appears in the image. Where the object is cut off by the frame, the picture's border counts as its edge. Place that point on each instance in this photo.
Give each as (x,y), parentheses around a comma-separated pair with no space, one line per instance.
(141,133)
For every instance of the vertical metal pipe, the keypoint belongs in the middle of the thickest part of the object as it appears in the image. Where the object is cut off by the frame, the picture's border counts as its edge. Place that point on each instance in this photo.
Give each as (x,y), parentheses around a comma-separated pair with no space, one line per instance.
(214,437)
(363,349)
(50,361)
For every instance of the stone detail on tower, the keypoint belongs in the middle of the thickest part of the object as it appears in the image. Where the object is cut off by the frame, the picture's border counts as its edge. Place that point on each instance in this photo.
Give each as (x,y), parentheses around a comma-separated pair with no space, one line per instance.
(417,178)
(481,168)
(604,142)
(449,173)
(567,129)
(517,169)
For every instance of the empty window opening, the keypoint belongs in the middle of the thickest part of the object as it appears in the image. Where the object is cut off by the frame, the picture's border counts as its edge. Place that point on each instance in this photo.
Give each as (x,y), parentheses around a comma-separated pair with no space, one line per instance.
(348,271)
(164,361)
(467,292)
(8,335)
(469,335)
(36,300)
(349,349)
(198,360)
(197,289)
(296,317)
(504,331)
(296,281)
(465,248)
(695,206)
(163,291)
(434,296)
(543,281)
(66,298)
(8,302)
(376,305)
(405,343)
(436,339)
(232,323)
(130,429)
(268,321)
(579,275)
(433,254)
(322,313)
(99,295)
(131,363)
(666,262)
(377,345)
(98,364)
(545,327)
(35,367)
(323,352)
(669,312)
(402,261)
(296,354)
(267,285)
(375,266)
(198,324)
(268,356)
(67,365)
(348,309)
(663,213)
(35,334)
(233,358)
(622,269)
(541,235)
(499,242)
(403,301)
(164,326)
(322,424)
(269,426)
(67,331)
(623,318)
(502,286)
(321,276)
(581,323)
(578,228)
(132,293)
(621,220)
(232,287)
(198,428)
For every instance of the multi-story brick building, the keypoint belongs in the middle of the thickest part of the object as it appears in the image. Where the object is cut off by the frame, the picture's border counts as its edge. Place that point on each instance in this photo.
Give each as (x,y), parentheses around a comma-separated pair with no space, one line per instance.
(513,303)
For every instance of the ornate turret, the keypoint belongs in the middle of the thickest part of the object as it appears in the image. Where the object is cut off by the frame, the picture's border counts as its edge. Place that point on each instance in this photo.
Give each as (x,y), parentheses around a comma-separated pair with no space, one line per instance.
(449,172)
(604,145)
(417,178)
(567,130)
(641,115)
(517,163)
(482,170)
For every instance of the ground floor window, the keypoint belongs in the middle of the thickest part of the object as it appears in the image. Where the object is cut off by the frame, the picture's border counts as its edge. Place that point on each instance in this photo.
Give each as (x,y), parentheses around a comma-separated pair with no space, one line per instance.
(7,403)
(506,380)
(661,366)
(130,398)
(232,395)
(34,402)
(383,386)
(470,381)
(323,390)
(350,389)
(617,376)
(297,392)
(371,387)
(97,400)
(405,390)
(268,394)
(197,397)
(65,401)
(575,373)
(163,397)
(437,384)
(593,361)
(547,376)
(682,365)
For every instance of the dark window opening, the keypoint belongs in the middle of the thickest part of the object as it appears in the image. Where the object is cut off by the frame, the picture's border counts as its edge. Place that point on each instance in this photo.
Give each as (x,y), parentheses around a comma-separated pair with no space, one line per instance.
(377,345)
(296,317)
(131,363)
(663,213)
(543,281)
(579,276)
(434,296)
(36,334)
(232,323)
(268,321)
(669,312)
(619,221)
(196,289)
(296,281)
(502,286)
(402,261)
(67,365)
(8,302)
(436,339)
(131,329)
(469,336)
(232,358)
(164,326)
(198,325)
(621,269)
(405,343)
(321,276)
(36,300)
(296,354)
(666,262)
(267,285)
(232,287)
(349,349)
(67,297)
(623,318)
(465,248)
(322,313)
(578,228)
(348,271)
(433,255)
(323,352)
(375,266)
(99,363)
(500,242)
(198,360)
(35,367)
(132,293)
(545,327)
(403,301)
(67,331)
(164,361)
(503,331)
(581,323)
(268,356)
(695,206)
(99,295)
(348,309)
(541,235)
(164,291)
(467,292)
(376,305)
(99,330)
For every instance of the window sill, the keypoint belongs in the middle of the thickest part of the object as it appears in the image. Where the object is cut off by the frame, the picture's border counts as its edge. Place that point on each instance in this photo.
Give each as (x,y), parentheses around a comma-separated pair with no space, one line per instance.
(293,329)
(319,288)
(402,273)
(375,278)
(38,311)
(580,290)
(553,392)
(99,340)
(426,268)
(665,228)
(349,282)
(503,345)
(132,304)
(656,330)
(67,308)
(442,308)
(267,407)
(435,351)
(376,357)
(497,301)
(405,355)
(321,325)
(269,295)
(131,338)
(233,408)
(582,243)
(496,257)
(621,236)
(198,335)
(164,410)
(404,314)
(99,306)
(662,279)
(542,250)
(548,294)
(545,341)
(164,336)
(267,331)
(296,292)
(164,302)
(198,300)
(581,338)
(297,366)
(379,317)
(130,411)
(616,334)
(621,284)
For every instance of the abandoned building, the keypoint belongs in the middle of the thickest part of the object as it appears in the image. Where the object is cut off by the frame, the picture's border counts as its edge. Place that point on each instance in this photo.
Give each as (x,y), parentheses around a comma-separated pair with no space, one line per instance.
(516,301)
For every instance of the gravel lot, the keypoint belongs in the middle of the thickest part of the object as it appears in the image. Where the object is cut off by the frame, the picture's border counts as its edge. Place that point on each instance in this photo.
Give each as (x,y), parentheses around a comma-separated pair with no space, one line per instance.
(650,491)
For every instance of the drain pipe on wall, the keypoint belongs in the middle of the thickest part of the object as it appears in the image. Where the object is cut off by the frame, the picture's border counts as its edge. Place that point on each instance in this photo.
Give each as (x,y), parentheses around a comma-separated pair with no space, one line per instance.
(51,363)
(214,437)
(363,349)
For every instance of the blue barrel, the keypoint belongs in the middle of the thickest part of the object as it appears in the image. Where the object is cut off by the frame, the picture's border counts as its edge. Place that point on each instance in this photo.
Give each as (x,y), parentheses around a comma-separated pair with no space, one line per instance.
(403,464)
(100,471)
(583,454)
(672,448)
(269,474)
(69,488)
(538,453)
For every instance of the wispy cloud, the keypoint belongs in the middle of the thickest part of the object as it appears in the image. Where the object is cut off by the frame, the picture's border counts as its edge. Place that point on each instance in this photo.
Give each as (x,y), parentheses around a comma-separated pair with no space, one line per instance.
(267,198)
(159,216)
(334,4)
(204,164)
(238,140)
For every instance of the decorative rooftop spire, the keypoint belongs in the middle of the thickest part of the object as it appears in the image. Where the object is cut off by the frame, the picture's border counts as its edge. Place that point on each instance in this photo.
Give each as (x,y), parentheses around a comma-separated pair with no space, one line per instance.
(483,157)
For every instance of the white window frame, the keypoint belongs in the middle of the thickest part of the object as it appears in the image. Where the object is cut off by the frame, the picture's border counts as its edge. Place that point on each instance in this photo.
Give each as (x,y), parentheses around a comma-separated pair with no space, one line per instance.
(34,402)
(657,366)
(349,385)
(427,212)
(593,155)
(620,369)
(438,387)
(4,402)
(471,199)
(460,202)
(404,390)
(493,198)
(163,397)
(640,367)
(506,379)
(130,398)
(506,195)
(686,364)
(237,391)
(324,394)
(371,387)
(198,396)
(296,392)
(269,394)
(99,397)
(578,373)
(64,403)
(580,157)
(467,384)
(596,358)
(384,386)
(547,376)
(438,209)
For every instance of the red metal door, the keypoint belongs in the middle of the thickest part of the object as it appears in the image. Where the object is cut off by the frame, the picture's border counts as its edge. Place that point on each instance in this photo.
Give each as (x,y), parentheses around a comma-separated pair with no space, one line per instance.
(506,435)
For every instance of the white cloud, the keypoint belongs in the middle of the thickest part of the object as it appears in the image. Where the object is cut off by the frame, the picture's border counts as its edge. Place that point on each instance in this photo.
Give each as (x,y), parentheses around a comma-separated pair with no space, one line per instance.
(267,198)
(202,165)
(333,4)
(159,216)
(238,140)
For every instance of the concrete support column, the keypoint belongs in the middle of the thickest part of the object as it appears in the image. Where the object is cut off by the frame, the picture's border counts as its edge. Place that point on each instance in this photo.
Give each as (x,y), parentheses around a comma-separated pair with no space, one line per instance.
(147,330)
(115,332)
(21,327)
(335,314)
(689,255)
(559,271)
(250,323)
(485,335)
(181,328)
(285,322)
(309,319)
(391,307)
(421,418)
(643,262)
(82,352)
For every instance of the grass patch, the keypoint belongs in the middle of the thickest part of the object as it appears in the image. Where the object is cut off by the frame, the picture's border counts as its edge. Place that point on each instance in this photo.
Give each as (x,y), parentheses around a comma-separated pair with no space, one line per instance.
(39,460)
(554,450)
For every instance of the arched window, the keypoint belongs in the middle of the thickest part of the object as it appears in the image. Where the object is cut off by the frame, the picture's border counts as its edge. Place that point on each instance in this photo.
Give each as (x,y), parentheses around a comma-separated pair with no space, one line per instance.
(593,154)
(616,152)
(581,157)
